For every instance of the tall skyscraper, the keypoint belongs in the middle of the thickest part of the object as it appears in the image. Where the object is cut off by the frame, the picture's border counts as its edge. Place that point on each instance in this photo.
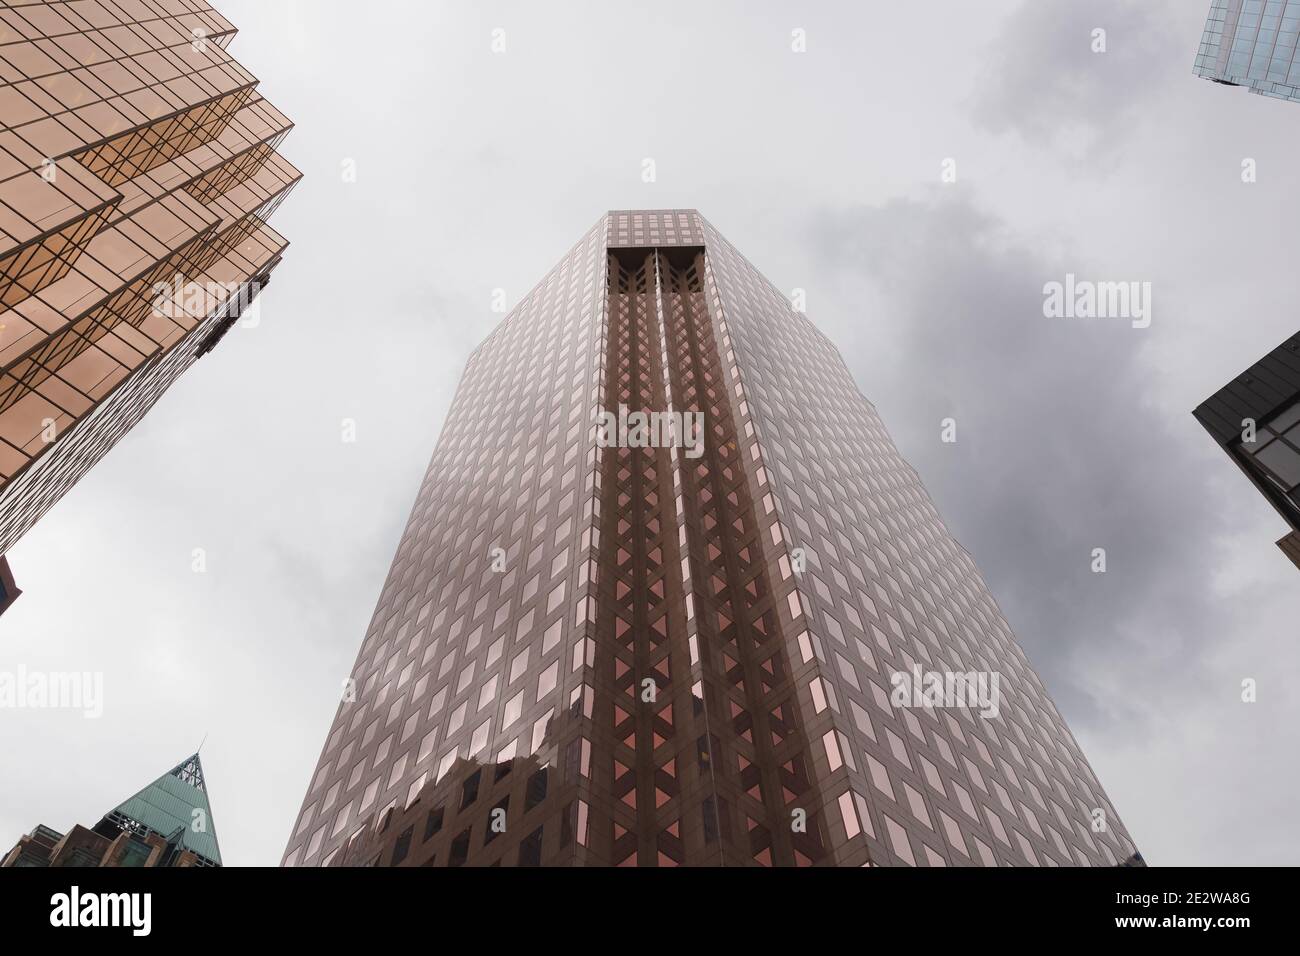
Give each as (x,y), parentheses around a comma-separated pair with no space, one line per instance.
(138,169)
(1252,43)
(716,641)
(1255,418)
(168,823)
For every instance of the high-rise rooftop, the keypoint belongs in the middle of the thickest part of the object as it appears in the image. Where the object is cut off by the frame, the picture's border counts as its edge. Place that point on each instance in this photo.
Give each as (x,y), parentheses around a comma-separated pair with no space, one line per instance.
(168,823)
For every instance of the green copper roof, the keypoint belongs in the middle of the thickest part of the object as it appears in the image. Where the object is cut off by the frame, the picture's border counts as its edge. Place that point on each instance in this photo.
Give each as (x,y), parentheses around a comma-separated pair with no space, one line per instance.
(176,804)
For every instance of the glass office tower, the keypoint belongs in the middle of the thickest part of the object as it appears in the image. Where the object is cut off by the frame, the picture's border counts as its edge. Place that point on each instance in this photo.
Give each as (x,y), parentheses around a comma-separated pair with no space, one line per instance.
(138,169)
(596,646)
(1252,43)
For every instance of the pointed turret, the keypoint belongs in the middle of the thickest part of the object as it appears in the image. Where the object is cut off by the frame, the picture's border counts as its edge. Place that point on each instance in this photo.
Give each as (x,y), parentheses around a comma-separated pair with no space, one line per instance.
(176,808)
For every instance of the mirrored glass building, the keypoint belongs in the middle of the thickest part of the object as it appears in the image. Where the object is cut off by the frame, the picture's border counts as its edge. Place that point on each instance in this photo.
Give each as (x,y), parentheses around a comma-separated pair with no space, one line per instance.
(1252,43)
(138,169)
(743,637)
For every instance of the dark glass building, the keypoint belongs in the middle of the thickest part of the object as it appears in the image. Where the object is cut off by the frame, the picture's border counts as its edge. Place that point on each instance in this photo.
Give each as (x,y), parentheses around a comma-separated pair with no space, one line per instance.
(610,641)
(1255,418)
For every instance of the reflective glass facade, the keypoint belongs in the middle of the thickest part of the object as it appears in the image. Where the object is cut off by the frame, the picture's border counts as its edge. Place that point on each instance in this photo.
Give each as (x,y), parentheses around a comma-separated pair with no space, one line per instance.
(649,655)
(1275,452)
(138,168)
(1252,43)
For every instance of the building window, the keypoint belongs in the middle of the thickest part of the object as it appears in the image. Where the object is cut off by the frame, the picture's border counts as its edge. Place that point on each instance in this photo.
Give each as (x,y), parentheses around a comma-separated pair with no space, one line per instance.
(433,823)
(459,849)
(710,820)
(566,824)
(1275,452)
(530,850)
(403,845)
(1282,460)
(469,790)
(535,792)
(496,820)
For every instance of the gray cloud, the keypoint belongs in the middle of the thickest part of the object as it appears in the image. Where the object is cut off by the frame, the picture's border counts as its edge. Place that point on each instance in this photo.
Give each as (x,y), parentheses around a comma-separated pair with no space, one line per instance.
(1057,450)
(1044,81)
(1060,449)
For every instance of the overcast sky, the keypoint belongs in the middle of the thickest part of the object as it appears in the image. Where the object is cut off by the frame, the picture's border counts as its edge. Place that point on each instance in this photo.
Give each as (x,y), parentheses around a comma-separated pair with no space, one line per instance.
(478,170)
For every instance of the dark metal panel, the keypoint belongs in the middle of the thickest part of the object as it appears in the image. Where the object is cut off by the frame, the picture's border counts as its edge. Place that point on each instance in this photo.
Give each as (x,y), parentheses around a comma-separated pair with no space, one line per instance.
(1267,385)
